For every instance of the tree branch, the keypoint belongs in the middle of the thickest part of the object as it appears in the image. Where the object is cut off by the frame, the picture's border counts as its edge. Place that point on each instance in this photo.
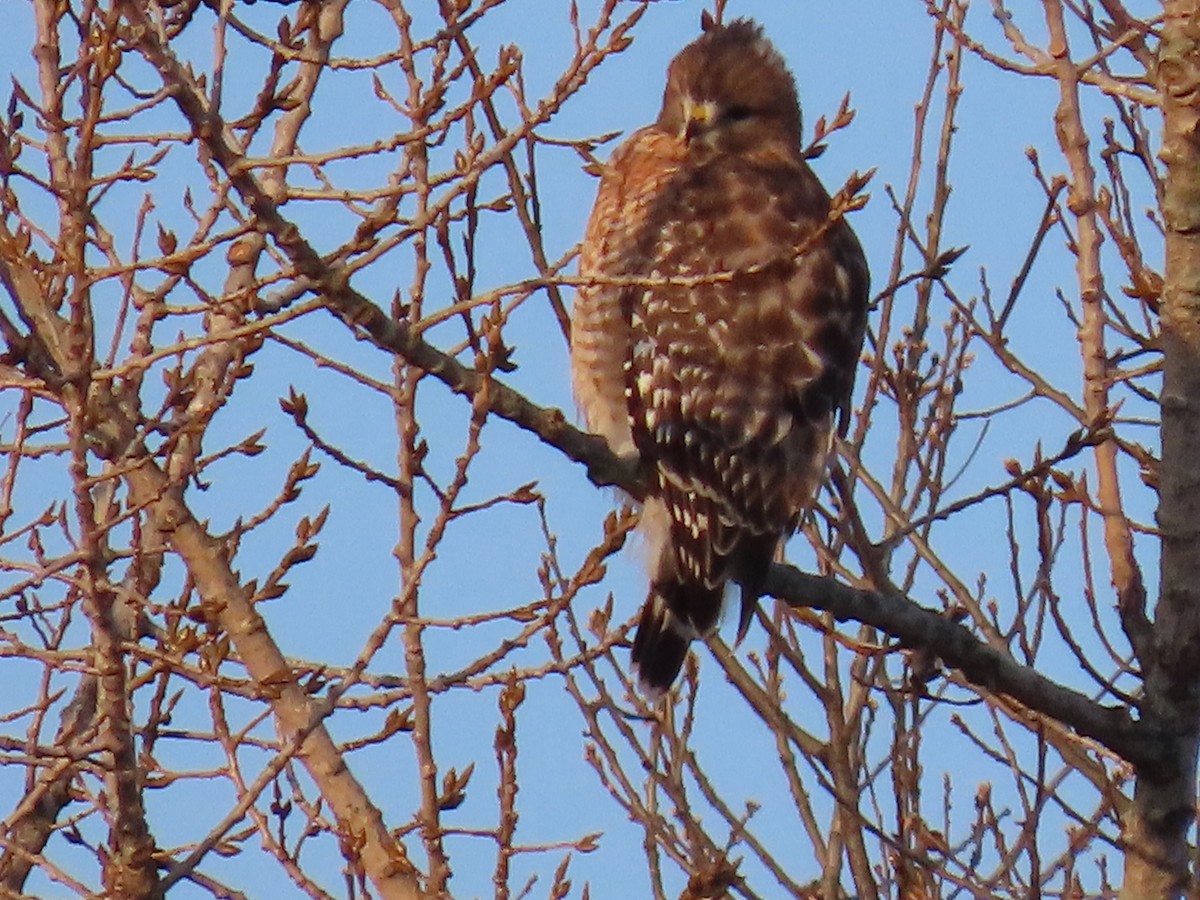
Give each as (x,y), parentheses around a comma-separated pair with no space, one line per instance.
(984,666)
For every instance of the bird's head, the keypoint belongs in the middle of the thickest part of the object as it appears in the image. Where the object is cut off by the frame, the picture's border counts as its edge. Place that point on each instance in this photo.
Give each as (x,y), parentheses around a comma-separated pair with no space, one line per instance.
(729,91)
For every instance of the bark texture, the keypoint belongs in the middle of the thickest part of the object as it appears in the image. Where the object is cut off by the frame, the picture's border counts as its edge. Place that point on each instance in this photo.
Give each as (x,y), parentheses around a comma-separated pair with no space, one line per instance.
(1156,831)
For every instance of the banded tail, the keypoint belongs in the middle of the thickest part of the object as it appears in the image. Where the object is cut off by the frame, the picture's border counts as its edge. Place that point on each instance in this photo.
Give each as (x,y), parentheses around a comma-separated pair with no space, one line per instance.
(679,610)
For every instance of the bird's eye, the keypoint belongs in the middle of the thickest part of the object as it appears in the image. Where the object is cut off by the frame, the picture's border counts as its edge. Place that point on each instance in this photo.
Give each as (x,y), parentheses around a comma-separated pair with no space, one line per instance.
(738,113)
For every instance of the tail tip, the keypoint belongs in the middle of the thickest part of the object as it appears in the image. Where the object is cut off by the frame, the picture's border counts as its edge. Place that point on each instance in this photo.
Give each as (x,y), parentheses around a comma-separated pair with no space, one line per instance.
(659,666)
(659,648)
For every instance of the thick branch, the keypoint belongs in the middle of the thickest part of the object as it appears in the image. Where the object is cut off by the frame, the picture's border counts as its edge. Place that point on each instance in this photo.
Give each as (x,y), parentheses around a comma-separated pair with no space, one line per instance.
(1158,857)
(984,666)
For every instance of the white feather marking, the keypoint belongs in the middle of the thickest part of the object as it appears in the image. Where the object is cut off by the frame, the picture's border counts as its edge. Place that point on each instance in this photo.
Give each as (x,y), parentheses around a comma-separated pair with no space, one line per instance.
(842,277)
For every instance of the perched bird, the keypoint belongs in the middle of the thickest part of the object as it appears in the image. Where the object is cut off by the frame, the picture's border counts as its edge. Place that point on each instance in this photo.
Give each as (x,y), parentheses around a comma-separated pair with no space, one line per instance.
(720,337)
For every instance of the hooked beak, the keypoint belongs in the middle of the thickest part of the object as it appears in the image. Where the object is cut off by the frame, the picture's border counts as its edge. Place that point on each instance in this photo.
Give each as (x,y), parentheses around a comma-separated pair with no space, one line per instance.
(698,117)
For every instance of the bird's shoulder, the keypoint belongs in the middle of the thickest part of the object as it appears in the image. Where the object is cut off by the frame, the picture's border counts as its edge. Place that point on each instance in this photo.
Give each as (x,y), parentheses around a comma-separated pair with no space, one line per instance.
(631,183)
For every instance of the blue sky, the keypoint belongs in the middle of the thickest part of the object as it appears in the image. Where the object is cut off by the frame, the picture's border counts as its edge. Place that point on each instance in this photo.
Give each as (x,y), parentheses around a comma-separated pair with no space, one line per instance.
(876,50)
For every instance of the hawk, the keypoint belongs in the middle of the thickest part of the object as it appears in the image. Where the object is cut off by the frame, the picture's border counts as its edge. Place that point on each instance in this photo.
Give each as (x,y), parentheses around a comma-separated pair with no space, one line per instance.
(719,336)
